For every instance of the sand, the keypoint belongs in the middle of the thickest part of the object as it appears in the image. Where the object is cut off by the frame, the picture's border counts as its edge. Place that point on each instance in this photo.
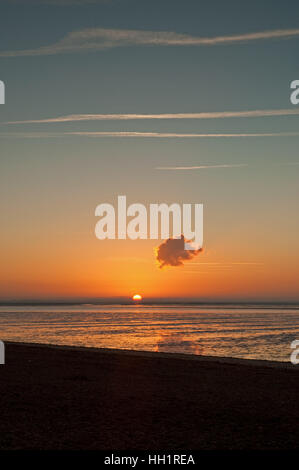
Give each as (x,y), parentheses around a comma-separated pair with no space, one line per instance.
(55,397)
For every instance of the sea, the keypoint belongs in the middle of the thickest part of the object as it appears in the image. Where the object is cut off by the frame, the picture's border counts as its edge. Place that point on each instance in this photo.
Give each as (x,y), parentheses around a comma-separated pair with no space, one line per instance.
(240,331)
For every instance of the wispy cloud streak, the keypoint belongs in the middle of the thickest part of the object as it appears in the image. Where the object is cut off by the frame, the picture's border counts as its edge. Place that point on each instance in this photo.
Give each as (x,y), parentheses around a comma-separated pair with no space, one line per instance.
(246,263)
(163,135)
(130,117)
(167,135)
(101,38)
(199,167)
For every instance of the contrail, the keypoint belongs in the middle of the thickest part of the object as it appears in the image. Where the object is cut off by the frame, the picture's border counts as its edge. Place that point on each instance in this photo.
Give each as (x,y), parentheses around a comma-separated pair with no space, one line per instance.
(169,135)
(160,135)
(128,117)
(200,167)
(95,39)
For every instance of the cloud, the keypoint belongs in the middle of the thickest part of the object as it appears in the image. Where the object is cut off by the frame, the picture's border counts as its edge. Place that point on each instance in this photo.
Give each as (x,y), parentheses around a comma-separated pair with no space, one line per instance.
(129,117)
(216,264)
(172,252)
(94,39)
(161,135)
(200,167)
(30,135)
(169,135)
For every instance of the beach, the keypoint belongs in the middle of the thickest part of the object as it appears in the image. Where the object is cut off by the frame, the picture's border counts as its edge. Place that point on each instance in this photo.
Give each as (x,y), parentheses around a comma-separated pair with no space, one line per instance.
(54,397)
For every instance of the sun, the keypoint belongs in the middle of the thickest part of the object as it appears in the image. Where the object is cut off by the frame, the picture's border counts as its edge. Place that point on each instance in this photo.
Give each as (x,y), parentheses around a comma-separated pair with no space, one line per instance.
(137,297)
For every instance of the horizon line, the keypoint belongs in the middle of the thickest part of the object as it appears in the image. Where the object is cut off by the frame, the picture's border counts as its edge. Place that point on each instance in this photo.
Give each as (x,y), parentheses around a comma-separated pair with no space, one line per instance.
(125,300)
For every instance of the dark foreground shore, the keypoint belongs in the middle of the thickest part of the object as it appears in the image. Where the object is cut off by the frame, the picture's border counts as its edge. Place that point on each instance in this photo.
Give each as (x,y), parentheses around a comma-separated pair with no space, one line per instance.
(76,398)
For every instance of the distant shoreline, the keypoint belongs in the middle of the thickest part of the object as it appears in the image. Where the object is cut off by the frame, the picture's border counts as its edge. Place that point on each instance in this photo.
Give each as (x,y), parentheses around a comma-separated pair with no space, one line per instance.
(146,302)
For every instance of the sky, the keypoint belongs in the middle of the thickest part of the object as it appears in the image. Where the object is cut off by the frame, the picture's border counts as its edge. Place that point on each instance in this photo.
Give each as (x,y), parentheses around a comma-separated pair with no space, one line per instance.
(88,85)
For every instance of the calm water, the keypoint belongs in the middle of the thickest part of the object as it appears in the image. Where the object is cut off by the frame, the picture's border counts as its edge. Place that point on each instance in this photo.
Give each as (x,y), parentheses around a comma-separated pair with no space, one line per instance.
(245,332)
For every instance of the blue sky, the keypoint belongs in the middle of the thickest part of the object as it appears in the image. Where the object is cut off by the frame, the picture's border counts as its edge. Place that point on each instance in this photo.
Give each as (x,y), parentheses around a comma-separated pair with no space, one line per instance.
(252,75)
